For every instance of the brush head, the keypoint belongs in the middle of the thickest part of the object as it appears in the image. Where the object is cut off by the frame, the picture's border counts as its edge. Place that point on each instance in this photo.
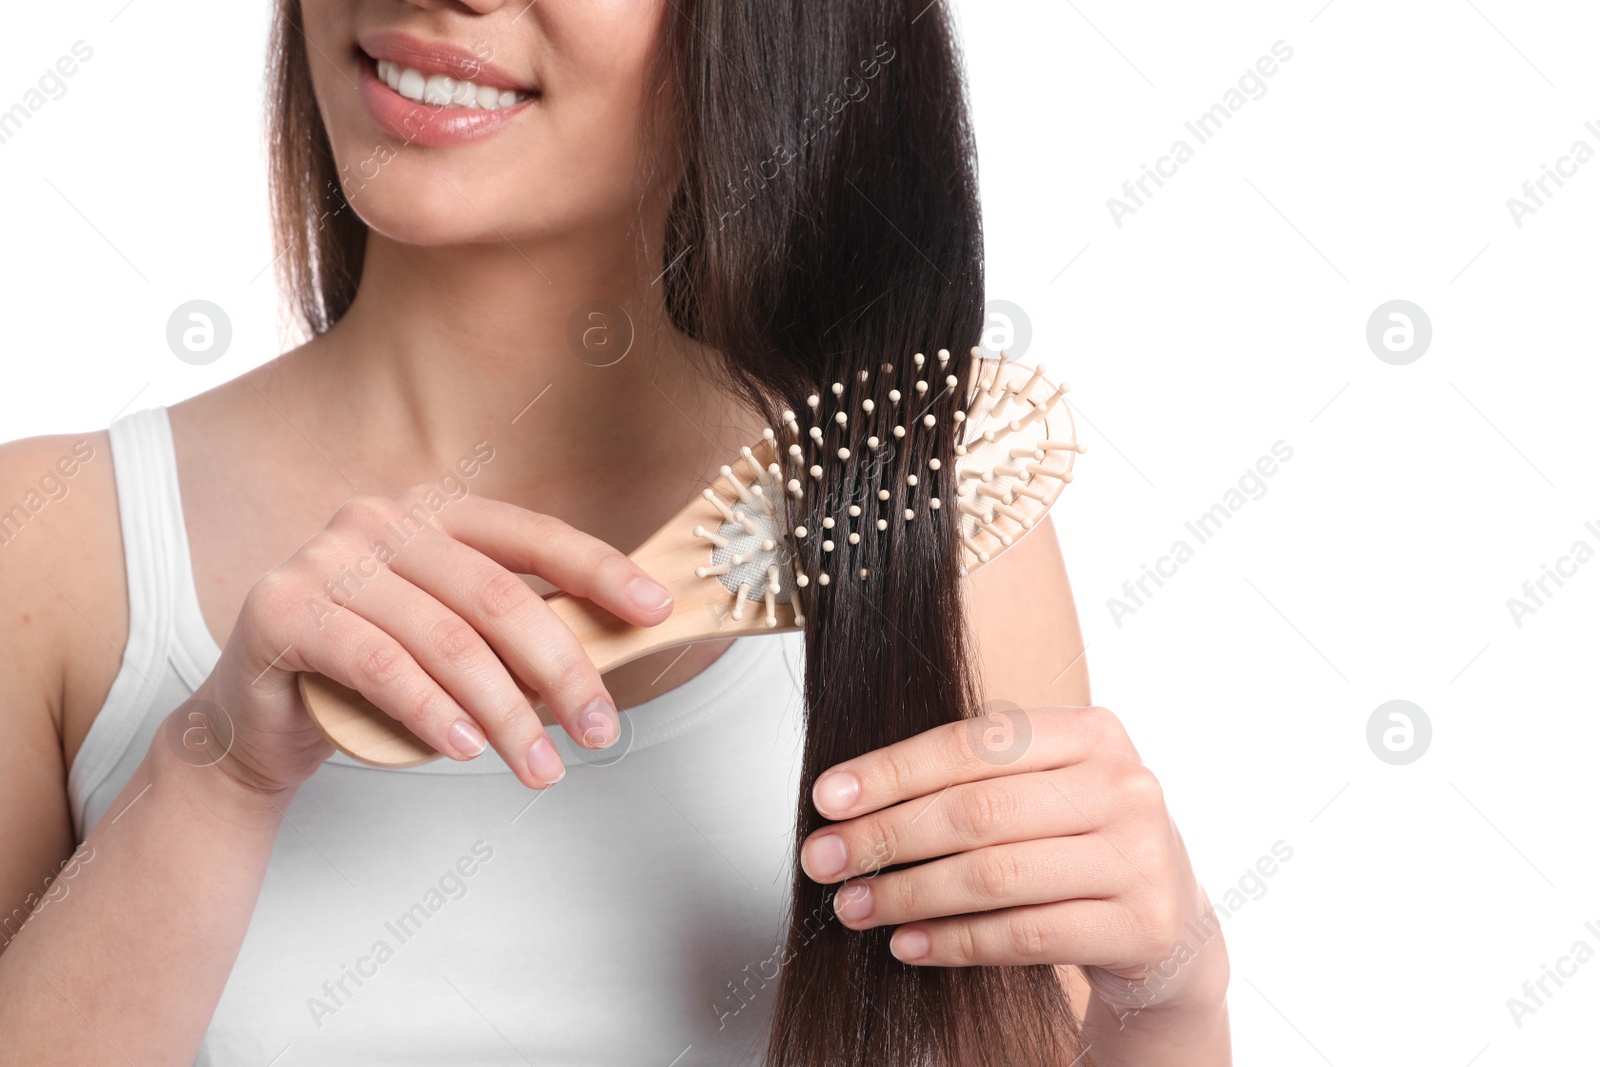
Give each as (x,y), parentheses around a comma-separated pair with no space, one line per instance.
(856,448)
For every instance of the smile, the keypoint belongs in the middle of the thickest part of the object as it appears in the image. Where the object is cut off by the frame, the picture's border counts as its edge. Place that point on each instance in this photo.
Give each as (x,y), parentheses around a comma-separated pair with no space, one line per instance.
(441,90)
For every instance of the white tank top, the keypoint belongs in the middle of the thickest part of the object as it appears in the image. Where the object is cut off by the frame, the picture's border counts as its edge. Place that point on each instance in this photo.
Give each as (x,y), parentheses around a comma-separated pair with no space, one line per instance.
(632,914)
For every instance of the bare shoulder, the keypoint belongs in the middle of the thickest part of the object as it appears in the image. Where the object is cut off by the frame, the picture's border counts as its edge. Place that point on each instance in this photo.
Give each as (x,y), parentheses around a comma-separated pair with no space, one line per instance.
(63,591)
(1026,624)
(63,623)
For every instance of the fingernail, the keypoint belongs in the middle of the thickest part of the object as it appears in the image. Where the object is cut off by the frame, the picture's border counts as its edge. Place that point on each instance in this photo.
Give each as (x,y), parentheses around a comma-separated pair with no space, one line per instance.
(853,903)
(836,791)
(648,594)
(908,945)
(545,762)
(824,856)
(598,724)
(467,739)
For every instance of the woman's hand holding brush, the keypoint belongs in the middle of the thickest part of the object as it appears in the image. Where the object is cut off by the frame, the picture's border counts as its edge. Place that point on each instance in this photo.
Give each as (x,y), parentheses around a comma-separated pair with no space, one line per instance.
(416,602)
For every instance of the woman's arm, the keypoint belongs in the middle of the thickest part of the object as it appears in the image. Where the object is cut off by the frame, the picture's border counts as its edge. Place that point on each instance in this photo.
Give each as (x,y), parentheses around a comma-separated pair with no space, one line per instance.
(117,951)
(35,822)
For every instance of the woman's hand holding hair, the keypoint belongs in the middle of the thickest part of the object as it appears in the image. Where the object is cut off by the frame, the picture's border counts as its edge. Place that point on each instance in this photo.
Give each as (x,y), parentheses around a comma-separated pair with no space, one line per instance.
(1034,836)
(415,601)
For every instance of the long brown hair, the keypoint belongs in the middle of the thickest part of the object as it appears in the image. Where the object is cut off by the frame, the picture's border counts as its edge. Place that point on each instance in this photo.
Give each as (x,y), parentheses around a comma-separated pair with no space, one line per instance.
(825,221)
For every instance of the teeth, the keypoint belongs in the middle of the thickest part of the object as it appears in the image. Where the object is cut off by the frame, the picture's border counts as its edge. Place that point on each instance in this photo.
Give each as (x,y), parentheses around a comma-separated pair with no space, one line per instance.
(441,90)
(438,90)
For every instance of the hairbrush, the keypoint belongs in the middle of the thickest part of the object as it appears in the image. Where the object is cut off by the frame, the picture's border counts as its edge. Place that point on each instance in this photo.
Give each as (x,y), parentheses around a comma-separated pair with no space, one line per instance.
(734,559)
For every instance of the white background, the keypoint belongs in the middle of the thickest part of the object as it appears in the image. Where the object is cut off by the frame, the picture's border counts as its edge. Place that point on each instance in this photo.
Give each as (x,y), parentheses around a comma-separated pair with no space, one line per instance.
(1225,315)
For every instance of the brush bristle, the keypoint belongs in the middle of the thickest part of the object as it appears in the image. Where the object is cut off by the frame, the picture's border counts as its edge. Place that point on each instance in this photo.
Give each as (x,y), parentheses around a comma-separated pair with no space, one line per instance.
(1015,443)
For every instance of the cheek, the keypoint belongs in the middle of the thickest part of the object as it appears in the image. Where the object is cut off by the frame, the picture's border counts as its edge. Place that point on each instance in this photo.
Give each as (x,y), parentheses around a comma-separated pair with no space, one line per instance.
(328,45)
(599,57)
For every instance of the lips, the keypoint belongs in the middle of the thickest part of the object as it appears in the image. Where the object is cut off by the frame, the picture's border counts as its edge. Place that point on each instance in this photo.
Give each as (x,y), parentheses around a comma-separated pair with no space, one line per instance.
(439,119)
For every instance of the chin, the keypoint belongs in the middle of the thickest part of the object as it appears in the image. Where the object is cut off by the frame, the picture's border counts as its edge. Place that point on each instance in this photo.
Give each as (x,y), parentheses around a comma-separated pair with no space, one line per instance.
(422,203)
(415,217)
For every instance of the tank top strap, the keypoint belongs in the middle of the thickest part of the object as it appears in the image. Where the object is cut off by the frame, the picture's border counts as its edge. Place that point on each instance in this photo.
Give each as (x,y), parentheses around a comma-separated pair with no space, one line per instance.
(150,500)
(167,641)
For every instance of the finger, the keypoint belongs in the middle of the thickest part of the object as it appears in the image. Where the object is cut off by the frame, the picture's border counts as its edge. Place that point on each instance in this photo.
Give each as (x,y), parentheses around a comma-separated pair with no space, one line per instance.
(1004,741)
(1003,876)
(997,811)
(530,543)
(452,652)
(499,608)
(1089,933)
(353,652)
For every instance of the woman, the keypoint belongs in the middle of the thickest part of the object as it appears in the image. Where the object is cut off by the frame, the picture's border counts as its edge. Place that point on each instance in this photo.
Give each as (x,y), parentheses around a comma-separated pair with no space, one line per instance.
(555,258)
